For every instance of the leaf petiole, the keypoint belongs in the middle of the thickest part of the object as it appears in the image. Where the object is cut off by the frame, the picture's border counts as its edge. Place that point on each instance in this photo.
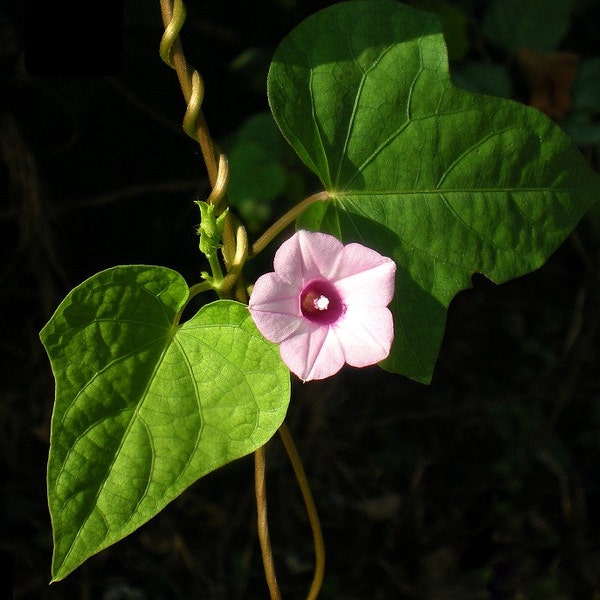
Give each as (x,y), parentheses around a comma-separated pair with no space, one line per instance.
(197,288)
(287,219)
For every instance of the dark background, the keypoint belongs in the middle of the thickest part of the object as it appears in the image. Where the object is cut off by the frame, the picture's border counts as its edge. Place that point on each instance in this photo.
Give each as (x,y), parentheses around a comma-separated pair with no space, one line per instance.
(485,484)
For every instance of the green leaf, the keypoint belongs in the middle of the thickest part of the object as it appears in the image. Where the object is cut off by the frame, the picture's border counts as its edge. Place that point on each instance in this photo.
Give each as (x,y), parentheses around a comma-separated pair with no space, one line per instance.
(444,181)
(483,78)
(255,161)
(257,170)
(536,24)
(455,25)
(583,121)
(144,407)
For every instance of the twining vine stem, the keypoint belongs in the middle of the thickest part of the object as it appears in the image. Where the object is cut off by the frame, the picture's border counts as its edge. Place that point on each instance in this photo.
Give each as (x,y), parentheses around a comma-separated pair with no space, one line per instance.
(173,16)
(236,251)
(194,124)
(311,509)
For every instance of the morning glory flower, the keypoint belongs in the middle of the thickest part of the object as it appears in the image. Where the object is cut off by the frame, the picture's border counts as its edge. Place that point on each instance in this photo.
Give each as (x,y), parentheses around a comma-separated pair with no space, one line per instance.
(326,305)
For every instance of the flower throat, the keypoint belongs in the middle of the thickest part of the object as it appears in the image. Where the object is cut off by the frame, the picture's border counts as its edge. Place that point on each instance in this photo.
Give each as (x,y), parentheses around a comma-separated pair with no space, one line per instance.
(321,302)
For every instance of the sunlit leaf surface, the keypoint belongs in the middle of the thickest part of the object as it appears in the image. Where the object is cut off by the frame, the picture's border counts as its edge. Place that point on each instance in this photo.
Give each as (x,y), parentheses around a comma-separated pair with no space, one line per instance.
(444,181)
(144,407)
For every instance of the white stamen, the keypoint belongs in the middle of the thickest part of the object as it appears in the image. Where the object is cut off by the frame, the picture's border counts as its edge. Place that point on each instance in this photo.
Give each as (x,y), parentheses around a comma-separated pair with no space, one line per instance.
(321,303)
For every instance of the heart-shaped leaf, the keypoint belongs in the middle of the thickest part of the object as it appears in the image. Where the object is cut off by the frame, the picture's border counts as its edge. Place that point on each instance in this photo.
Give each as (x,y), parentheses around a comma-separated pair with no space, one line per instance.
(444,181)
(144,407)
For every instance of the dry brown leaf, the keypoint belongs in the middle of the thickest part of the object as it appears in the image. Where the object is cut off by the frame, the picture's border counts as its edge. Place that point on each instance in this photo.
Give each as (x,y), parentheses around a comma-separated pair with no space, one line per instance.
(549,76)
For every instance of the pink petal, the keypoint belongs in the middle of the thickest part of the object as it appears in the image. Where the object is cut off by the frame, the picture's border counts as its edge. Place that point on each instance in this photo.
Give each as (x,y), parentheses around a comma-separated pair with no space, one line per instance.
(365,281)
(271,293)
(275,307)
(365,335)
(371,286)
(313,352)
(355,258)
(307,255)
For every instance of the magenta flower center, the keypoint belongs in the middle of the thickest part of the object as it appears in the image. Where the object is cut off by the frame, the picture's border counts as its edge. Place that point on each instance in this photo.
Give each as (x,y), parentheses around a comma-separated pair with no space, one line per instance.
(321,302)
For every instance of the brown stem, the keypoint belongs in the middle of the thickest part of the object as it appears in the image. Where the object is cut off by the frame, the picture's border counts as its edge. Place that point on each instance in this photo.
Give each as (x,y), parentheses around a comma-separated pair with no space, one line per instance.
(263,525)
(173,15)
(313,517)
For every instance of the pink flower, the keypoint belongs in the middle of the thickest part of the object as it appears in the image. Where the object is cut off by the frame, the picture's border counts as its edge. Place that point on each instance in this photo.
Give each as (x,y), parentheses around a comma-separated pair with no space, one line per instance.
(326,305)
